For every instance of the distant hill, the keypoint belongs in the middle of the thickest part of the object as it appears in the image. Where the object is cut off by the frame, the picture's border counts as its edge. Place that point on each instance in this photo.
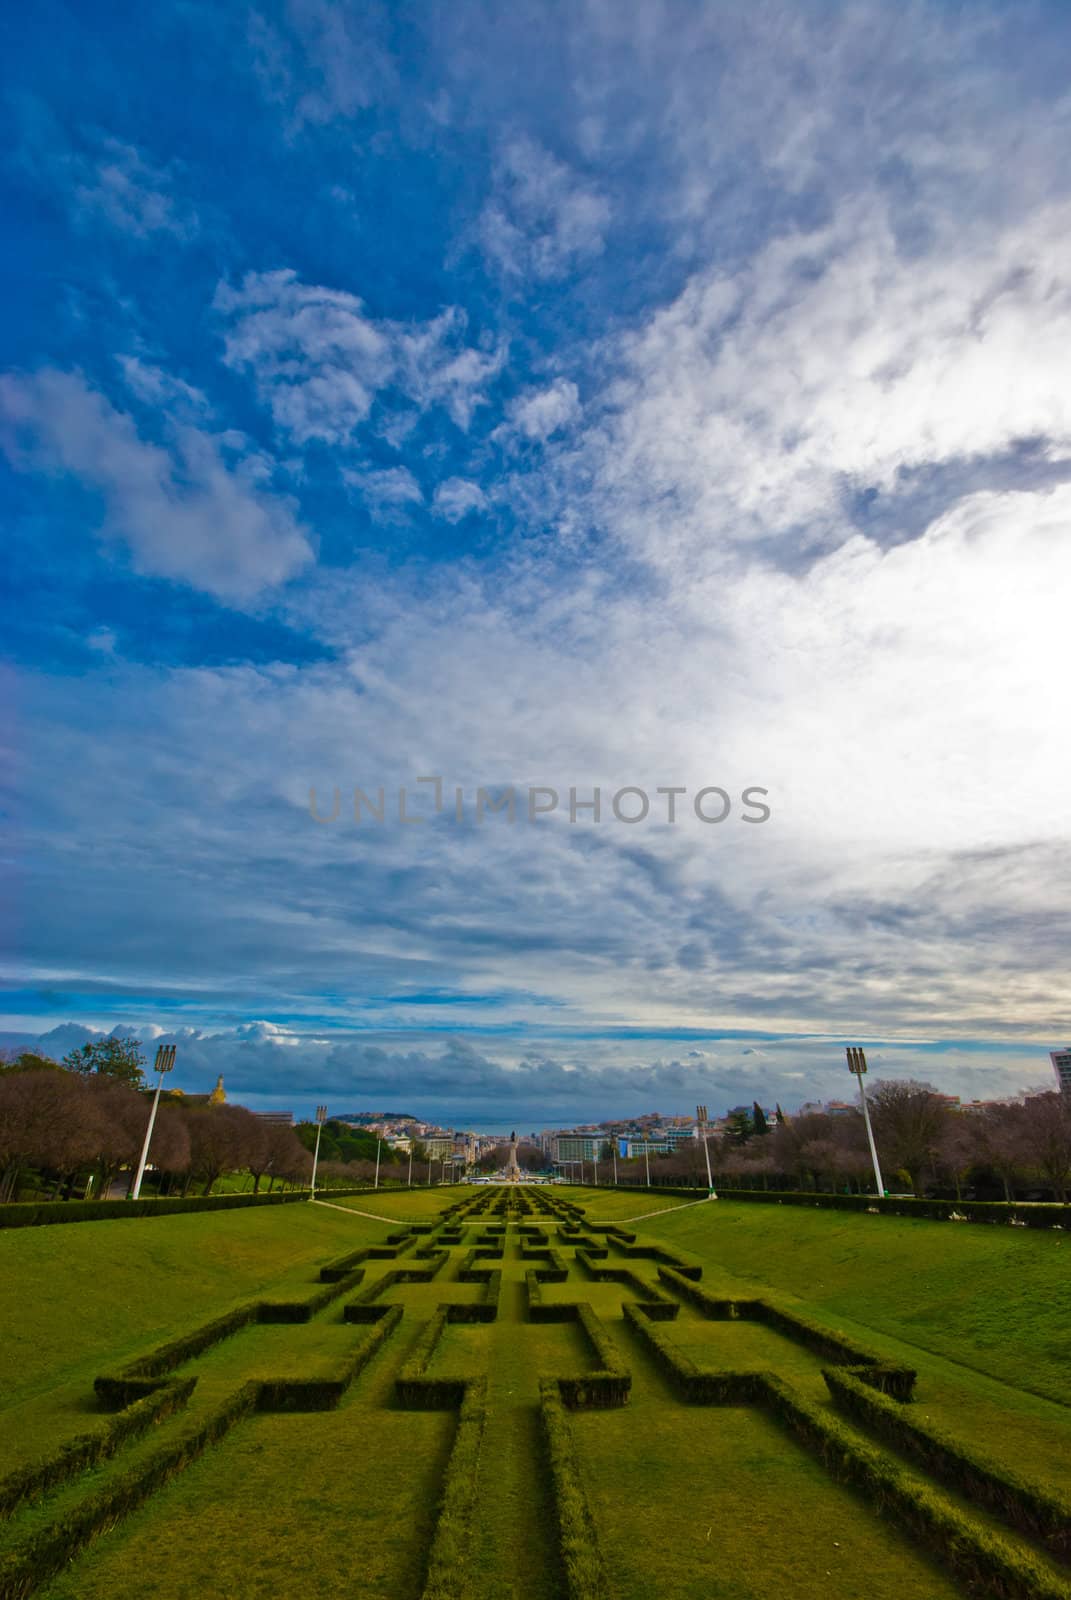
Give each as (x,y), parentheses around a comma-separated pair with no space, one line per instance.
(375,1116)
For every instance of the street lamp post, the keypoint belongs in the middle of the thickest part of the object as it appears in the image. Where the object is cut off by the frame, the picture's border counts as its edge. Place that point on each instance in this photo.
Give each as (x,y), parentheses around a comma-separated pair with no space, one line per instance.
(613,1151)
(165,1060)
(379,1148)
(701,1120)
(857,1065)
(321,1118)
(409,1181)
(647,1158)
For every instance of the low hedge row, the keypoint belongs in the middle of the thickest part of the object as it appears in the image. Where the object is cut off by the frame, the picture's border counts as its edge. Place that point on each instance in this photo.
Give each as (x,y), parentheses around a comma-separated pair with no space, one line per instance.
(413,1387)
(31,1562)
(323,1394)
(358,1309)
(540,1310)
(89,1449)
(451,1545)
(143,1376)
(611,1383)
(982,1560)
(305,1310)
(993,1211)
(1022,1505)
(578,1542)
(662,1254)
(700,1386)
(40,1213)
(874,1369)
(659,1306)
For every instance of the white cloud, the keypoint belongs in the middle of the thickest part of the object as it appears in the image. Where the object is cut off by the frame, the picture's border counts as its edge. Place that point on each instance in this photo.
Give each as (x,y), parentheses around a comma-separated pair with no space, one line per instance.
(832,360)
(182,510)
(319,361)
(541,220)
(457,497)
(386,487)
(136,197)
(543,412)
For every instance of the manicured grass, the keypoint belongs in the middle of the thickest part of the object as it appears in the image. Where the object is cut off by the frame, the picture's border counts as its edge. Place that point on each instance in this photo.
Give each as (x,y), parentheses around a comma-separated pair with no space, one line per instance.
(92,1296)
(688,1500)
(333,1504)
(719,1503)
(997,1299)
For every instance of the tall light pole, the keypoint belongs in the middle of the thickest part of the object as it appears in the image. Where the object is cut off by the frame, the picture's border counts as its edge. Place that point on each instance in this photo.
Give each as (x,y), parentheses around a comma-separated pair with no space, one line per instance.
(165,1060)
(701,1122)
(379,1148)
(613,1151)
(321,1118)
(409,1181)
(647,1158)
(857,1065)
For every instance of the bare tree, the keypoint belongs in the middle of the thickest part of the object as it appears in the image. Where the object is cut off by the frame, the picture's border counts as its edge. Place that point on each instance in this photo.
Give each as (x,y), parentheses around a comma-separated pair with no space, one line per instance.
(1046,1131)
(909,1122)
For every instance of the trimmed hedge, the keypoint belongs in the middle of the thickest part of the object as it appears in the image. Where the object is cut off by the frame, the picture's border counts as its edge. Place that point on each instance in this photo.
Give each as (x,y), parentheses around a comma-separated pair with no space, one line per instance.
(451,1543)
(701,1386)
(831,1346)
(992,1211)
(143,1376)
(323,1394)
(578,1541)
(31,1562)
(982,1560)
(611,1383)
(89,1449)
(662,1254)
(413,1387)
(658,1305)
(40,1213)
(1022,1505)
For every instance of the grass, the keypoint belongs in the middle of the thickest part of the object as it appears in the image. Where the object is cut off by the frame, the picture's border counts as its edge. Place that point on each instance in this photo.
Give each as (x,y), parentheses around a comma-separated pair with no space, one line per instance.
(95,1294)
(727,1508)
(995,1299)
(686,1501)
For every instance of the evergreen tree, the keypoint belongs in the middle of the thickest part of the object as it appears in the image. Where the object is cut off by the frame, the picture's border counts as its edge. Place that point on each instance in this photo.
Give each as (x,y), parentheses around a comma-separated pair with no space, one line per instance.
(120,1059)
(758,1119)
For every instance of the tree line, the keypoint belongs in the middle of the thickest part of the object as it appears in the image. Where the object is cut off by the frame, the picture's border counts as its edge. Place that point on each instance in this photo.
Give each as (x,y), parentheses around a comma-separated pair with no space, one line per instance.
(76,1127)
(1002,1149)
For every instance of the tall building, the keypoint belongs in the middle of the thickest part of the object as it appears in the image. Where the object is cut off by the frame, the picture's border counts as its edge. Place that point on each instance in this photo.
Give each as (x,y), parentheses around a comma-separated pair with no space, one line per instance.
(1061,1065)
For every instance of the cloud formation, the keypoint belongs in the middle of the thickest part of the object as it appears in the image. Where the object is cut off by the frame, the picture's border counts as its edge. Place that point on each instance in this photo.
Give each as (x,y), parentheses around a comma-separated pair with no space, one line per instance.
(188,509)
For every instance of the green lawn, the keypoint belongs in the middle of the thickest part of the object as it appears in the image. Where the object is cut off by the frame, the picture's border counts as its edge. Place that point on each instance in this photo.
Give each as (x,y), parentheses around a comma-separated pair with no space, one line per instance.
(997,1299)
(90,1295)
(687,1500)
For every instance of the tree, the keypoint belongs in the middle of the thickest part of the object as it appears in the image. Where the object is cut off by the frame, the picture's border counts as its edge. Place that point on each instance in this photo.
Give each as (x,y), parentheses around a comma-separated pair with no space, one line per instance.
(29,1061)
(909,1123)
(47,1122)
(740,1127)
(1000,1141)
(1046,1132)
(221,1138)
(120,1059)
(758,1119)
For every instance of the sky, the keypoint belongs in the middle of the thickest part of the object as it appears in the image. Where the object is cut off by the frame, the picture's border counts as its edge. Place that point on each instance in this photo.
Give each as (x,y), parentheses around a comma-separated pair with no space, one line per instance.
(666,399)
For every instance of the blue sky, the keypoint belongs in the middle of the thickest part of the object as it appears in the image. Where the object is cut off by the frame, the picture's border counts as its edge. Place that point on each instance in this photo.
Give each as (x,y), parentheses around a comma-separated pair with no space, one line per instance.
(664,396)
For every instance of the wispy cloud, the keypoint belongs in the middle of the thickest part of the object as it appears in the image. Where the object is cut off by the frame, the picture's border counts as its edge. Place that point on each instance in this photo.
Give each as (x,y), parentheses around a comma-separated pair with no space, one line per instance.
(186,508)
(320,362)
(542,219)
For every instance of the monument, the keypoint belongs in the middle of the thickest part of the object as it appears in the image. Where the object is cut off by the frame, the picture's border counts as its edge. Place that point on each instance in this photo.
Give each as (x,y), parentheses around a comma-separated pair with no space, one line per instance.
(513,1171)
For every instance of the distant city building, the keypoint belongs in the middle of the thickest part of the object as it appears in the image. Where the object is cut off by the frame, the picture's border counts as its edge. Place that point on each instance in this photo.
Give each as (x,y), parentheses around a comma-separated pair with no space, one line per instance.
(277,1119)
(578,1147)
(1061,1065)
